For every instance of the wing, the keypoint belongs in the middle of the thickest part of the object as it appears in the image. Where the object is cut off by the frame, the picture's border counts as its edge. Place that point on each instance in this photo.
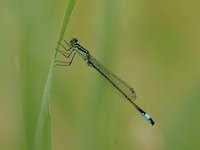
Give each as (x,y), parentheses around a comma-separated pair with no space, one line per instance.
(119,84)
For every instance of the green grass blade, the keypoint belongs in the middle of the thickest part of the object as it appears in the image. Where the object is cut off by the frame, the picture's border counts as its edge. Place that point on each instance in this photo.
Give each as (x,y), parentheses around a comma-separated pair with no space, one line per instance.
(68,13)
(43,129)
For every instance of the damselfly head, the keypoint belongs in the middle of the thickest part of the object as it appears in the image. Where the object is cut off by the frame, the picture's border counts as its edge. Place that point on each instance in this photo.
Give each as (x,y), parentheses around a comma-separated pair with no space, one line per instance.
(73,42)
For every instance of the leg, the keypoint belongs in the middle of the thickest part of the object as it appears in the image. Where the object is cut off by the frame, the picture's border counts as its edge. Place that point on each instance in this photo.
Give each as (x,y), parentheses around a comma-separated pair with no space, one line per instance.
(64,63)
(67,55)
(61,63)
(65,47)
(66,43)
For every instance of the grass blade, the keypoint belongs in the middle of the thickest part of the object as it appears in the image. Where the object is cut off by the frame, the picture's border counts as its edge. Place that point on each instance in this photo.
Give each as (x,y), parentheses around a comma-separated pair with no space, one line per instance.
(68,13)
(43,129)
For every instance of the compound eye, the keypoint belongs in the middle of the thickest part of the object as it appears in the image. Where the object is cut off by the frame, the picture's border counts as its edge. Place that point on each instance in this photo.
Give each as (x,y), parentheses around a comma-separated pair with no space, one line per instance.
(73,41)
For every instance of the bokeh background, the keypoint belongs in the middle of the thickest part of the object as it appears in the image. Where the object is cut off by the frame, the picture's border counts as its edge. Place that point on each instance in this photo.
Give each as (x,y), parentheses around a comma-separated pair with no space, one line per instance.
(152,45)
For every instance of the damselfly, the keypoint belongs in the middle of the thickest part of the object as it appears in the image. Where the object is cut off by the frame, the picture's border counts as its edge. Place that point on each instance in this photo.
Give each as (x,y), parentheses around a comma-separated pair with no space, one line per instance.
(127,91)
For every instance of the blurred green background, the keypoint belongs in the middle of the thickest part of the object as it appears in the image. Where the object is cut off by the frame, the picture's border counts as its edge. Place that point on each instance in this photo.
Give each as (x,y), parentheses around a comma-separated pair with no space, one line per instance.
(152,45)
